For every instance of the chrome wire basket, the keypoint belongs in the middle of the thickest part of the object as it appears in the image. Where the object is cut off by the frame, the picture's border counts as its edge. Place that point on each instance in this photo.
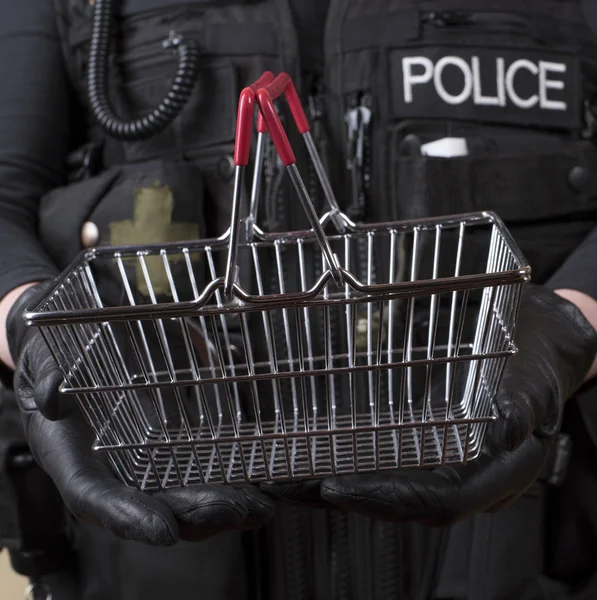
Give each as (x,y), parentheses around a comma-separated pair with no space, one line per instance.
(260,356)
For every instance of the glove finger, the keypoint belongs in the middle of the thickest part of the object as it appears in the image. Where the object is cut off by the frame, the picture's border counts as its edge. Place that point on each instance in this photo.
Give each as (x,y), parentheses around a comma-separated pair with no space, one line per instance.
(126,512)
(89,489)
(306,493)
(260,507)
(204,510)
(52,404)
(443,496)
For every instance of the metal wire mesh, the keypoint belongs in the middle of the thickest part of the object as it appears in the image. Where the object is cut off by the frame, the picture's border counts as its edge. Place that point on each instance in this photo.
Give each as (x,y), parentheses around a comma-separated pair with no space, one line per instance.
(182,386)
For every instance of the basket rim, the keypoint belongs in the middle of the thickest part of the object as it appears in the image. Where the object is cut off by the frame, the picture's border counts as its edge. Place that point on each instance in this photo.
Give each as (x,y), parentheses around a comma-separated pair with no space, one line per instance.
(35,316)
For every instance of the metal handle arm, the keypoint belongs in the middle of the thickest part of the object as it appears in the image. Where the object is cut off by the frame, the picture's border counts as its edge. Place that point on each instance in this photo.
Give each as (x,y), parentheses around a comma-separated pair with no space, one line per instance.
(281,84)
(242,151)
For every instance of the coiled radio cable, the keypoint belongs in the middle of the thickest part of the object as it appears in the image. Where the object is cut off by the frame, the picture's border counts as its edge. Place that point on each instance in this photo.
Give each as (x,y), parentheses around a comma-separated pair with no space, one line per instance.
(172,103)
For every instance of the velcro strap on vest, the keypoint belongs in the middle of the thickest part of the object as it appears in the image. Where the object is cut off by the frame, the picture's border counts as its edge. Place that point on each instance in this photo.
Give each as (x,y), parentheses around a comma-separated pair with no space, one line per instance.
(519,187)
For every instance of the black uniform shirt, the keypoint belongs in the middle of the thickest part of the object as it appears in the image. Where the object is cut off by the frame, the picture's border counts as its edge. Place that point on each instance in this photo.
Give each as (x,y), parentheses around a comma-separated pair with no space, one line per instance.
(35,122)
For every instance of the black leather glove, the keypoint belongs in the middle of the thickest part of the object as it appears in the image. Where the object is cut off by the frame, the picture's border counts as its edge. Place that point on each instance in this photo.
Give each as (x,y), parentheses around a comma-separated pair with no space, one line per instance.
(63,448)
(557,347)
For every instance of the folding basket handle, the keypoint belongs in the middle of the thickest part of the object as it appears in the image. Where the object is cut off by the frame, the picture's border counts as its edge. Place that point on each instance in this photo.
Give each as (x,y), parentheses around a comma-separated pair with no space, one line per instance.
(265,96)
(283,84)
(264,80)
(244,120)
(242,151)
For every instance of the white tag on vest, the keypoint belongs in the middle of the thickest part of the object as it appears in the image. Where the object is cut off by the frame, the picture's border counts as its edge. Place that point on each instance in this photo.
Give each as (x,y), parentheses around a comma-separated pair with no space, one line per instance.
(448,147)
(488,84)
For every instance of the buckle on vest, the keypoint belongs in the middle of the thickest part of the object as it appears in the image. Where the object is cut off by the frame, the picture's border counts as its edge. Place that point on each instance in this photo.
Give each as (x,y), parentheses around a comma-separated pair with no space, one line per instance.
(86,161)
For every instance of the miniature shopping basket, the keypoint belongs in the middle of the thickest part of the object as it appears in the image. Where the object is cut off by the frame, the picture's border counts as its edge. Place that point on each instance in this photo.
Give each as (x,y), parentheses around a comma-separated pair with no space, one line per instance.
(258,356)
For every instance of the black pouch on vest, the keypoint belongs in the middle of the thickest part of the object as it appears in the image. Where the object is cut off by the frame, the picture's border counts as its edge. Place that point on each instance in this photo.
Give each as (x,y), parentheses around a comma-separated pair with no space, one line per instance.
(147,203)
(528,181)
(544,187)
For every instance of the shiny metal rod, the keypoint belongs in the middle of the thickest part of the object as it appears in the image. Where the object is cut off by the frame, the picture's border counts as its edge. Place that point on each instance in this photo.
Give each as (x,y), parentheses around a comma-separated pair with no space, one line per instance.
(322,240)
(254,206)
(234,231)
(335,214)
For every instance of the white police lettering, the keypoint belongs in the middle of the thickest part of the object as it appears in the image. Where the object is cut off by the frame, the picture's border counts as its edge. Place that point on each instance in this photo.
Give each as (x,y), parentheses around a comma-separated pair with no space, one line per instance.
(511,74)
(552,84)
(461,64)
(420,71)
(410,79)
(480,99)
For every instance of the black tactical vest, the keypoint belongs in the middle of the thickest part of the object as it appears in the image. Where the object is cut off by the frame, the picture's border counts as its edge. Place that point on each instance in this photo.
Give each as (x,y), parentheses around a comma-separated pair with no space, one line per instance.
(425,108)
(513,83)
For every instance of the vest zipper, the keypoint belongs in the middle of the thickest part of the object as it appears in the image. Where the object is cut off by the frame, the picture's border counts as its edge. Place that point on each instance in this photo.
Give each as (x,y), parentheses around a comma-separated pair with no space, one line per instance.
(315,110)
(339,565)
(339,568)
(357,119)
(336,324)
(315,114)
(316,271)
(278,217)
(275,211)
(358,164)
(316,117)
(463,18)
(273,174)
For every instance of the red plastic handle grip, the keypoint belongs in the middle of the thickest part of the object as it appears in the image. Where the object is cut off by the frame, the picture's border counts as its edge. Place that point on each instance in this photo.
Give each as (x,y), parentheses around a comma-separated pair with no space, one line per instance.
(264,80)
(282,84)
(277,87)
(244,126)
(244,119)
(276,130)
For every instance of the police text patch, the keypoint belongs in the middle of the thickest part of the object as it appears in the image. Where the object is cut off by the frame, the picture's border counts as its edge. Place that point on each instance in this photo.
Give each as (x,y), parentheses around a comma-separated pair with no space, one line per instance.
(490,84)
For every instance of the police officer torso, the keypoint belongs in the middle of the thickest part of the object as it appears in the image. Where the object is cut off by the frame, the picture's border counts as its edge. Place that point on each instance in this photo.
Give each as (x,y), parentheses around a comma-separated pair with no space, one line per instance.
(421,108)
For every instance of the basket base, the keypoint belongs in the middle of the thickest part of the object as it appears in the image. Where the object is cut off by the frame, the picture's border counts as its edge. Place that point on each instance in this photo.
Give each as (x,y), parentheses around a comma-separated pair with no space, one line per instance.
(290,453)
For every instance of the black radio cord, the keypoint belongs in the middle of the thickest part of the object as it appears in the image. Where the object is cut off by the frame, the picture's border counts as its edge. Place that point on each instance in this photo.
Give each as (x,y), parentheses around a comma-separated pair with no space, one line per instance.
(170,106)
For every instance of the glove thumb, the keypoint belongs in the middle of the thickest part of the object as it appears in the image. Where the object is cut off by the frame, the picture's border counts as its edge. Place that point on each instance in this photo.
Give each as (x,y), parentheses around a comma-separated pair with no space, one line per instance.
(40,373)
